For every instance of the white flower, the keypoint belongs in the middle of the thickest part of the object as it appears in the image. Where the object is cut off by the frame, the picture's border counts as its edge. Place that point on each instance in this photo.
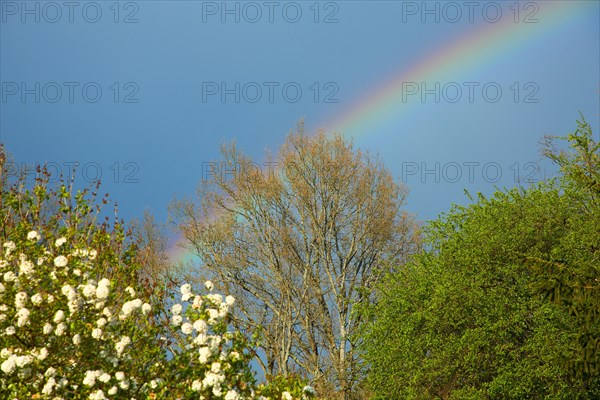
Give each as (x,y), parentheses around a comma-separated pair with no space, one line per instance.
(20,299)
(213,314)
(5,352)
(23,317)
(197,302)
(60,241)
(120,375)
(33,236)
(77,339)
(229,300)
(187,328)
(22,361)
(217,390)
(60,329)
(176,309)
(120,347)
(186,288)
(89,290)
(214,380)
(215,367)
(186,297)
(208,285)
(102,292)
(101,322)
(90,377)
(104,377)
(60,261)
(67,290)
(176,320)
(130,290)
(47,329)
(215,298)
(43,353)
(223,310)
(130,306)
(103,289)
(146,308)
(59,316)
(97,333)
(93,254)
(97,395)
(10,247)
(37,299)
(2,288)
(25,267)
(204,353)
(74,306)
(232,395)
(9,276)
(124,384)
(215,341)
(200,325)
(201,339)
(286,396)
(126,339)
(113,390)
(122,343)
(49,386)
(8,366)
(196,385)
(153,384)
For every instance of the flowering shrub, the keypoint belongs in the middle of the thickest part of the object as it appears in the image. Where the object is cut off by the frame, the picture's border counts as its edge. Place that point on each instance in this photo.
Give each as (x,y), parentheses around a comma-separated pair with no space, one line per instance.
(209,360)
(64,334)
(63,331)
(77,321)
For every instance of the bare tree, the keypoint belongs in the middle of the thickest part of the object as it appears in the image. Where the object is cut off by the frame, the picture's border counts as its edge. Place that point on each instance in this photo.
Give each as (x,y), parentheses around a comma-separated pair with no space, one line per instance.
(299,245)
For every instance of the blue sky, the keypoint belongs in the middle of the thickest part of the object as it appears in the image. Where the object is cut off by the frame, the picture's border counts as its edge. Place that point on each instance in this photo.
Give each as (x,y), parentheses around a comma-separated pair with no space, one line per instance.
(132,90)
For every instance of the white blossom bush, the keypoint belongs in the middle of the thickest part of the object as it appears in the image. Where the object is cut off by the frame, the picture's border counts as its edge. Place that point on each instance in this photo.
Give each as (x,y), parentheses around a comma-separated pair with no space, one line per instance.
(63,330)
(210,361)
(77,322)
(65,334)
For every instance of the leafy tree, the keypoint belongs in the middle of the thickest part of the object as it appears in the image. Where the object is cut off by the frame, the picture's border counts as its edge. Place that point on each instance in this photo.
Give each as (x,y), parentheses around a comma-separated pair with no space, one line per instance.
(299,245)
(570,274)
(504,302)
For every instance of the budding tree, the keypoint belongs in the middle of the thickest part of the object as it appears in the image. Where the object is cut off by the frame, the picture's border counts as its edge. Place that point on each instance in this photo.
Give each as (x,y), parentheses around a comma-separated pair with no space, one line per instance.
(299,245)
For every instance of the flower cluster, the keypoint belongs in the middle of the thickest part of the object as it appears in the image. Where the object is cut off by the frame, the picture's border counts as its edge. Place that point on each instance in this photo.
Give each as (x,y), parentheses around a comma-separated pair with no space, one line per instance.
(57,318)
(66,332)
(215,360)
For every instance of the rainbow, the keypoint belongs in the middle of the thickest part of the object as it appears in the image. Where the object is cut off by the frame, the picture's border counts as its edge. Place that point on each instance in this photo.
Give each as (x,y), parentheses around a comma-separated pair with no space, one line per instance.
(477,48)
(177,251)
